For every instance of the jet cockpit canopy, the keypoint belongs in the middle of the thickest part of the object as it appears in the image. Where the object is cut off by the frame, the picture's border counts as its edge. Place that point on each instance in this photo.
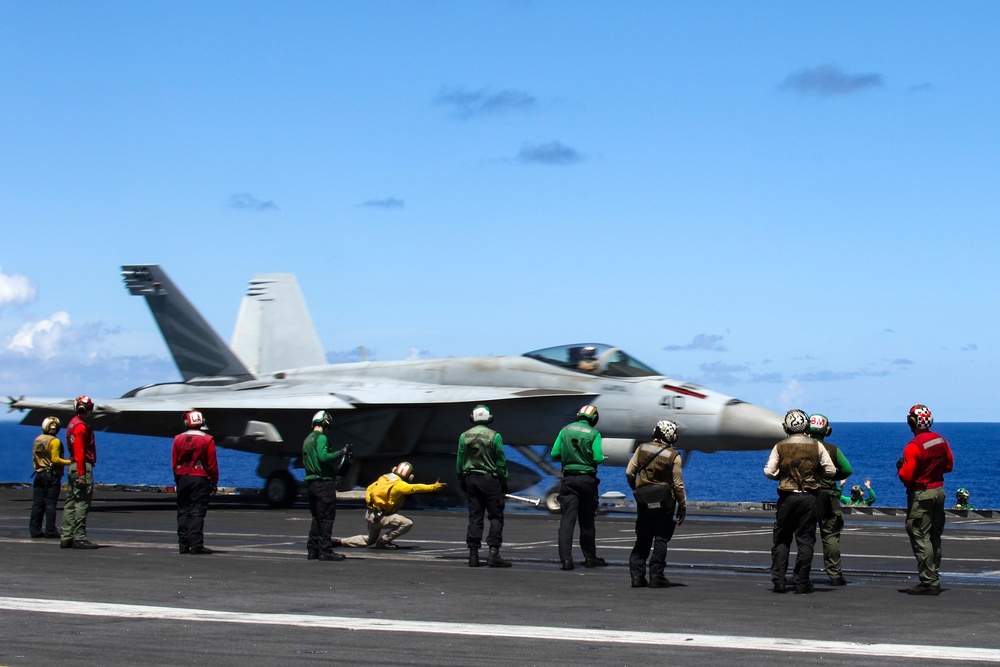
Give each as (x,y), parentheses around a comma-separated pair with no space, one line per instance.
(593,359)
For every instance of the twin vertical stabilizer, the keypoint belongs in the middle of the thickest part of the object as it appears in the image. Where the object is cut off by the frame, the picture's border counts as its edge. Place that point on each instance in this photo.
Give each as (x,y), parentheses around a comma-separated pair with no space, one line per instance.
(274,331)
(196,348)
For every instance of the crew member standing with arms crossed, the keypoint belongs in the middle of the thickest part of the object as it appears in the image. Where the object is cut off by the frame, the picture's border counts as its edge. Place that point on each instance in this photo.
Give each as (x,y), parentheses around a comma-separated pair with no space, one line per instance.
(196,475)
(926,459)
(80,489)
(578,447)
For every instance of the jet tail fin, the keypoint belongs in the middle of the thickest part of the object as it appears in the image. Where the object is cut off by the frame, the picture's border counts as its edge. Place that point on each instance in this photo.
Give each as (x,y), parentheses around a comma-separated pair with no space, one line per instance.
(274,331)
(197,349)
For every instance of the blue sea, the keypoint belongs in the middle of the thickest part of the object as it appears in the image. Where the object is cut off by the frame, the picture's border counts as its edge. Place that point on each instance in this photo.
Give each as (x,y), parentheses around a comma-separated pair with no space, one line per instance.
(872,449)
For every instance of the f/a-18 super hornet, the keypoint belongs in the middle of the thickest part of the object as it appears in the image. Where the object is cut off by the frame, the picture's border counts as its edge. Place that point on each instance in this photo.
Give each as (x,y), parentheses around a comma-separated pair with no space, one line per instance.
(260,394)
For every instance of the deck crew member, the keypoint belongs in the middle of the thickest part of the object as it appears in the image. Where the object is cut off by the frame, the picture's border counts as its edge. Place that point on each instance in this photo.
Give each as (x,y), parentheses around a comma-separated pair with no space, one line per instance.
(196,475)
(962,500)
(858,496)
(828,511)
(797,462)
(926,459)
(80,489)
(47,457)
(654,473)
(481,466)
(578,447)
(383,499)
(322,464)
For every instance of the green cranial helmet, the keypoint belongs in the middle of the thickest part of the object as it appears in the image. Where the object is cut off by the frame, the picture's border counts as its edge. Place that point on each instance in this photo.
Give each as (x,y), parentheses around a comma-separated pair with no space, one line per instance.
(819,426)
(962,493)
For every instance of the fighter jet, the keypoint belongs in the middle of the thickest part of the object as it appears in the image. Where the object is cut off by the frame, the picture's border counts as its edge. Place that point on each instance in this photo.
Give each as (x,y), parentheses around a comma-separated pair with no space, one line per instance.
(260,394)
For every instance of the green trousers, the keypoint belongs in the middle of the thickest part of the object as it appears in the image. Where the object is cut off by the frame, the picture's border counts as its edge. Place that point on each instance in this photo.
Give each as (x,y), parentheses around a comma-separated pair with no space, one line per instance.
(78,497)
(924,525)
(831,523)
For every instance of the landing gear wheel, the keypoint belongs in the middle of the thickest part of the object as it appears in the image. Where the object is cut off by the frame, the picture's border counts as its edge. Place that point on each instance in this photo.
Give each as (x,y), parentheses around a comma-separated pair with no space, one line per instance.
(281,489)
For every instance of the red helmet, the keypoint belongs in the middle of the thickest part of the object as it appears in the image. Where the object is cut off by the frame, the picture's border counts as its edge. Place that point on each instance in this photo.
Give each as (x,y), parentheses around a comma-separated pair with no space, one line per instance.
(194,419)
(83,404)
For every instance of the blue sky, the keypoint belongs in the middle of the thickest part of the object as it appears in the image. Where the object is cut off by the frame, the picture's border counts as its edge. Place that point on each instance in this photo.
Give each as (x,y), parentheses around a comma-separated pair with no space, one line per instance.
(794,203)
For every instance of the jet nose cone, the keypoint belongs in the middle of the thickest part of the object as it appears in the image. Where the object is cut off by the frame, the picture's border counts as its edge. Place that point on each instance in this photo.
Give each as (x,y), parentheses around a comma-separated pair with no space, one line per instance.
(746,426)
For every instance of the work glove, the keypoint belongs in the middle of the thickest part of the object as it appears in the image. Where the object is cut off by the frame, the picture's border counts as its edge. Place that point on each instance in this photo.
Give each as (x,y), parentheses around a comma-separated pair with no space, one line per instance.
(681,514)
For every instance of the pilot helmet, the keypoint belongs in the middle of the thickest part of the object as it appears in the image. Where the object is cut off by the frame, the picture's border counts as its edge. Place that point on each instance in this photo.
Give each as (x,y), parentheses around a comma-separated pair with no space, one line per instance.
(588,413)
(404,471)
(195,420)
(665,431)
(322,418)
(857,492)
(796,421)
(481,415)
(819,426)
(588,353)
(50,425)
(962,494)
(83,404)
(920,418)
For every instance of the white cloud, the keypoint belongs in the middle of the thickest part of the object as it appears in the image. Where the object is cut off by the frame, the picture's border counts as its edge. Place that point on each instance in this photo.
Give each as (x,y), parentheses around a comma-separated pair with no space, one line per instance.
(792,395)
(40,339)
(16,289)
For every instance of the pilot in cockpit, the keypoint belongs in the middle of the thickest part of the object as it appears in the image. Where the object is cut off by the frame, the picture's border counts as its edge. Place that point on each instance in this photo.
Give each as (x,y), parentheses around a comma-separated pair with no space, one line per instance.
(588,360)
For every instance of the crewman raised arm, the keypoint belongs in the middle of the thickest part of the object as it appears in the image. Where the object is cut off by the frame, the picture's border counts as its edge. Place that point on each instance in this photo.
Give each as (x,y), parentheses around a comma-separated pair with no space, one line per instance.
(383,499)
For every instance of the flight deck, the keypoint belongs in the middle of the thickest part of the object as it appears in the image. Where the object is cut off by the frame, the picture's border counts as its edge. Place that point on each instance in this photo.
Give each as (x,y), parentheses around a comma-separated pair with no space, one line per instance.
(259,601)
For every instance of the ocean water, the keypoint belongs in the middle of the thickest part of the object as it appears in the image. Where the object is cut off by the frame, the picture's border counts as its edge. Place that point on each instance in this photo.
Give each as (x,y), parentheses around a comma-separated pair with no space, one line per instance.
(872,449)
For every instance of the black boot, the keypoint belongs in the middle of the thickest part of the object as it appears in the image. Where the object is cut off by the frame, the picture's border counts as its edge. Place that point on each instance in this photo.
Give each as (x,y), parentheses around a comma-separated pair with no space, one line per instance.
(473,557)
(494,559)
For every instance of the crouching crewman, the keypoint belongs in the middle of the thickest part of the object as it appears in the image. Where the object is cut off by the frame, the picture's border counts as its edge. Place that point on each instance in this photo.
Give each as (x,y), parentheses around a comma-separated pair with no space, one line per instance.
(384,498)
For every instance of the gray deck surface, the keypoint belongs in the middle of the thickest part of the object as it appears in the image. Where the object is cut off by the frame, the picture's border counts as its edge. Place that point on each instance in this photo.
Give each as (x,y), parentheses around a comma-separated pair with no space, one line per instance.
(259,601)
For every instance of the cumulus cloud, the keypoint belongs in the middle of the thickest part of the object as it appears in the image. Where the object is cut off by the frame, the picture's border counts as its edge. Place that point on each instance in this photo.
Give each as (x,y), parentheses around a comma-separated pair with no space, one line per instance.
(792,395)
(971,347)
(721,367)
(16,289)
(829,80)
(385,202)
(551,153)
(39,339)
(244,201)
(466,104)
(710,342)
(835,376)
(350,356)
(417,353)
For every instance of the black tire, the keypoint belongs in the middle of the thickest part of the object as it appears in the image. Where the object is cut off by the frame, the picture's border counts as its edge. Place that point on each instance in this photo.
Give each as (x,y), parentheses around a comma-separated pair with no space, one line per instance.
(281,489)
